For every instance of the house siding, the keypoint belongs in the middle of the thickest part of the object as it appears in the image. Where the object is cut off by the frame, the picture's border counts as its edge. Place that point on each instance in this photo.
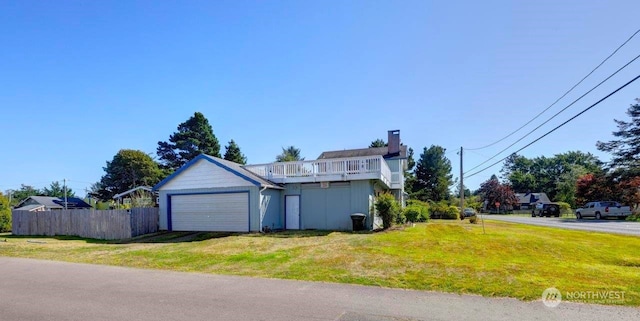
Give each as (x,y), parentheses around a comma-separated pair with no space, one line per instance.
(273,212)
(205,174)
(325,208)
(331,208)
(254,202)
(394,164)
(360,193)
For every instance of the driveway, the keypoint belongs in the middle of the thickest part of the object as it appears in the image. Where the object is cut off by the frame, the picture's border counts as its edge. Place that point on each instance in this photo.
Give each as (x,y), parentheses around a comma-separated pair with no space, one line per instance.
(47,290)
(606,226)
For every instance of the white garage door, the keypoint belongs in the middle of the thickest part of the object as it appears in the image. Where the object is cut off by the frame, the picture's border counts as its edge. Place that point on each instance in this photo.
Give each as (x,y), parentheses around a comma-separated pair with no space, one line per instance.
(210,212)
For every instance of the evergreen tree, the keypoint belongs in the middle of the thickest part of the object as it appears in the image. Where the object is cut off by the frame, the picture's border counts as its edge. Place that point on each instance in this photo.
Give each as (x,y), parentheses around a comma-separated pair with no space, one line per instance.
(433,175)
(57,190)
(128,169)
(289,154)
(377,143)
(409,175)
(233,153)
(625,150)
(23,193)
(194,137)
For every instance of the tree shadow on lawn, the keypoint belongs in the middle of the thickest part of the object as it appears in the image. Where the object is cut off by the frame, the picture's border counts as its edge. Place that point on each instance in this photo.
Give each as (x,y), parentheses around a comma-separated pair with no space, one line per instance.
(182,237)
(175,237)
(159,237)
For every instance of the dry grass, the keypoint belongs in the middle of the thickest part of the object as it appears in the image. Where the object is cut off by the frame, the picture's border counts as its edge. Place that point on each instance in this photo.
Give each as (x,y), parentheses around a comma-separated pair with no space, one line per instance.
(510,260)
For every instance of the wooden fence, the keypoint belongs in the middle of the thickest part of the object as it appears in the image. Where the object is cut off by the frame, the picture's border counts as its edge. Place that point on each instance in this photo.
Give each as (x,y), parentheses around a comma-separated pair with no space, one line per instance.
(105,225)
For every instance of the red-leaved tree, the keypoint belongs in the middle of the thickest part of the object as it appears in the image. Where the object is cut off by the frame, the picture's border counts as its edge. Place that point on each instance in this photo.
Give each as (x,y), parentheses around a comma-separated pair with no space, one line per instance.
(495,192)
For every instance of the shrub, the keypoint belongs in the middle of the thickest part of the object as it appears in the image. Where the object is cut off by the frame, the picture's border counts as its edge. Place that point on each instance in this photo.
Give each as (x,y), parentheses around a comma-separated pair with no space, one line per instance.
(473,219)
(5,215)
(400,217)
(565,208)
(442,210)
(634,217)
(453,213)
(388,208)
(5,221)
(416,211)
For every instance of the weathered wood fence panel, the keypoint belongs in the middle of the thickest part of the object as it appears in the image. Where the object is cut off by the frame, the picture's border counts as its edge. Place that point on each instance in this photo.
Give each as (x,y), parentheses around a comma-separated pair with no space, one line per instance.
(105,225)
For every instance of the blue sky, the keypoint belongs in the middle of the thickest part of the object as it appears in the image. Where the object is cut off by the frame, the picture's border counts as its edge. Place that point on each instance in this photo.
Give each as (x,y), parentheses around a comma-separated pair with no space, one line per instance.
(80,80)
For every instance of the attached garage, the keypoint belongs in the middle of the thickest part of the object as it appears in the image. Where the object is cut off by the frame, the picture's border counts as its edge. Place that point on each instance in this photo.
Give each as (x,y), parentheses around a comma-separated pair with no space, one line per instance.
(222,212)
(212,194)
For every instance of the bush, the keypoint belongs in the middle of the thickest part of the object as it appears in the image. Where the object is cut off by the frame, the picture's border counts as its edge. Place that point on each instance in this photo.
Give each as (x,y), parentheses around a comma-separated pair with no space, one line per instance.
(400,217)
(5,215)
(388,208)
(453,213)
(565,208)
(473,219)
(416,211)
(5,221)
(634,217)
(442,210)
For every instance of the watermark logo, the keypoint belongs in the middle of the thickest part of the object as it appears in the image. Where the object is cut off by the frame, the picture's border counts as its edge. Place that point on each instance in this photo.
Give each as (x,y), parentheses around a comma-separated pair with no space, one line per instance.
(551,297)
(596,297)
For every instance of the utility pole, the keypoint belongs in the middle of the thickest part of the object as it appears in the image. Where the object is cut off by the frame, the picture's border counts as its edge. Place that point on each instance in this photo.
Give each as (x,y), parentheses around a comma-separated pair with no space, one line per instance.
(461,187)
(65,193)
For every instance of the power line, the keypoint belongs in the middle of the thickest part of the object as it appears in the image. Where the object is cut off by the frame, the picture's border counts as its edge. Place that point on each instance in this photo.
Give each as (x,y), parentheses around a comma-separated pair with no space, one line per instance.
(473,151)
(556,114)
(564,95)
(564,123)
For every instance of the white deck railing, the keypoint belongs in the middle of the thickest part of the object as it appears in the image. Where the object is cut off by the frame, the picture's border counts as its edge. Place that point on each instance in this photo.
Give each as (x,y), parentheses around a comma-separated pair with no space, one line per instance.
(325,169)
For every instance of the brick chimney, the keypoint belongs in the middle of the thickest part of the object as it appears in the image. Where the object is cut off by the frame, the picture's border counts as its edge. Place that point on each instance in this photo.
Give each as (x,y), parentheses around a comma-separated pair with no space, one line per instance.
(393,142)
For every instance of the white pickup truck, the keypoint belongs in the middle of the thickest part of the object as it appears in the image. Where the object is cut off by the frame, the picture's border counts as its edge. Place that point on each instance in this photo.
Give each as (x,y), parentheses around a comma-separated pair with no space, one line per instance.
(603,209)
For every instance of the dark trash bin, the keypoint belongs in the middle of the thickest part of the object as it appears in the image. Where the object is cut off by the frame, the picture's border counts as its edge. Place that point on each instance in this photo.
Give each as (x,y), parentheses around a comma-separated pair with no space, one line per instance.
(358,220)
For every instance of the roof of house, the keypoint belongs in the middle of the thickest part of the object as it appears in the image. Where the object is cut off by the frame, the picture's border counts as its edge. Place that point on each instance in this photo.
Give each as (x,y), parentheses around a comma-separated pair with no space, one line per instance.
(228,165)
(363,152)
(529,198)
(57,202)
(144,188)
(45,200)
(29,207)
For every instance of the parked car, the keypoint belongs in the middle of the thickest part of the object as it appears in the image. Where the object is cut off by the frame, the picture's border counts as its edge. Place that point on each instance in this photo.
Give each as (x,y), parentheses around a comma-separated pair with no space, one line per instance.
(546,209)
(468,212)
(603,209)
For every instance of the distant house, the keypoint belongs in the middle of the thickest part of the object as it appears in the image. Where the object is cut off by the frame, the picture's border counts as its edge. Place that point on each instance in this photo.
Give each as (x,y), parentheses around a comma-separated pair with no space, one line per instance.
(527,200)
(137,196)
(48,203)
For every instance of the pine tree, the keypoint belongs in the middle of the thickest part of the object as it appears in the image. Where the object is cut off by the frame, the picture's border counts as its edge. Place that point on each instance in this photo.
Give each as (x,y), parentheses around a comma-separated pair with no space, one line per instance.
(128,169)
(377,143)
(233,153)
(194,137)
(433,175)
(290,154)
(57,190)
(625,151)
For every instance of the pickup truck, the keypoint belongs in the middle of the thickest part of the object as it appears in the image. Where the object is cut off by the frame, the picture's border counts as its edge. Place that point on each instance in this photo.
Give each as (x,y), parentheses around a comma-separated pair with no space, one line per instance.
(603,209)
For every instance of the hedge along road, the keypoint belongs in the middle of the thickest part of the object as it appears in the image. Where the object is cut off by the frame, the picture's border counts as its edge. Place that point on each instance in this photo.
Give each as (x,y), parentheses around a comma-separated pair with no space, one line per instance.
(605,225)
(48,290)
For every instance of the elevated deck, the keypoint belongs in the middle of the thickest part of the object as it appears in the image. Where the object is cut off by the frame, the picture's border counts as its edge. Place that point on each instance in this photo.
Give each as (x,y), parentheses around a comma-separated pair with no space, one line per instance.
(324,170)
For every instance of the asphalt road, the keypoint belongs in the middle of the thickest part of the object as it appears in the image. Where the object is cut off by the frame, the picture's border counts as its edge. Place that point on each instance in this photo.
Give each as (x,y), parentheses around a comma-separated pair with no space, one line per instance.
(606,226)
(47,290)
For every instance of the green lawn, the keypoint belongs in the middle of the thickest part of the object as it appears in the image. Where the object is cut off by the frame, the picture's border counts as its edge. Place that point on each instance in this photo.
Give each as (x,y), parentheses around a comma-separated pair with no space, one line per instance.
(510,260)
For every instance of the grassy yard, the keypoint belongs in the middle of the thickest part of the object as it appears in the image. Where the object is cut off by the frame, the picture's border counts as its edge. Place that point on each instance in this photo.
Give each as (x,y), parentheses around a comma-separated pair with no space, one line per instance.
(510,260)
